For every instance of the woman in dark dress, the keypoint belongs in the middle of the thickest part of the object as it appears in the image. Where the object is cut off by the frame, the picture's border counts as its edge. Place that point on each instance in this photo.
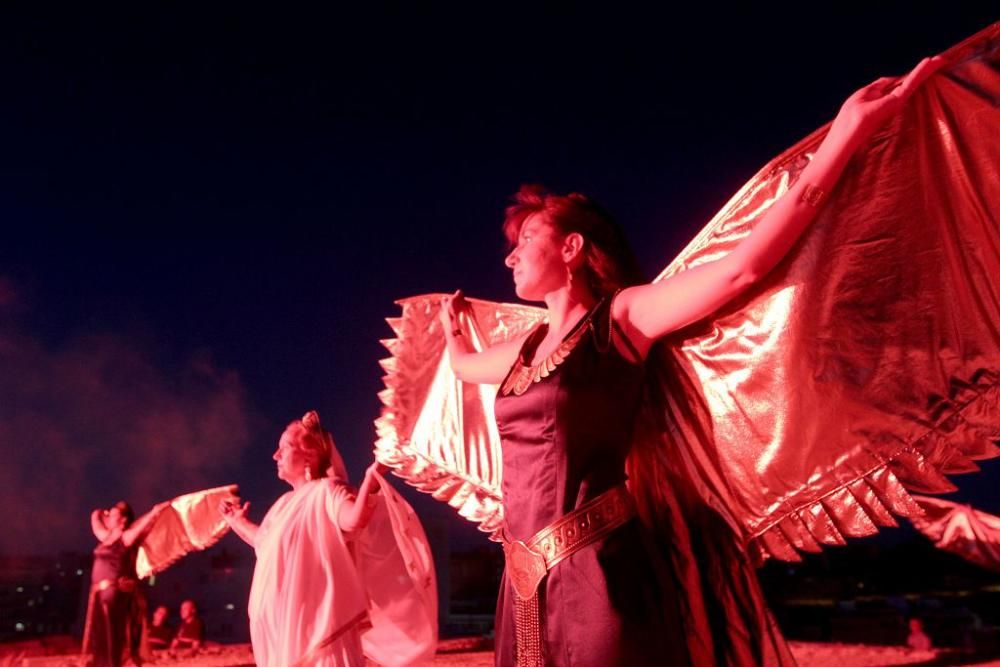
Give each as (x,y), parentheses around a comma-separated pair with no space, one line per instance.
(117,608)
(587,582)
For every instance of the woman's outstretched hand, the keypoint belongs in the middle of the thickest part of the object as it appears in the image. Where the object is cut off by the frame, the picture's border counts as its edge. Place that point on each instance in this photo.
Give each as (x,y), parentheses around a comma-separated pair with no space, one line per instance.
(369,485)
(451,306)
(870,107)
(232,510)
(355,515)
(235,515)
(377,467)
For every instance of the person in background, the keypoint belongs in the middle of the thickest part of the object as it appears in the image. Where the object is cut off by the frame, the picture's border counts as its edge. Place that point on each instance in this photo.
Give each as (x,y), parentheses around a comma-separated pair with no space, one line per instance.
(116,613)
(191,633)
(335,579)
(160,633)
(918,639)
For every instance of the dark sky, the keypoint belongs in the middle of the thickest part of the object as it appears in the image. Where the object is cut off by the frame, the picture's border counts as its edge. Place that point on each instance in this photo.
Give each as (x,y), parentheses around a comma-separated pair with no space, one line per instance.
(207,214)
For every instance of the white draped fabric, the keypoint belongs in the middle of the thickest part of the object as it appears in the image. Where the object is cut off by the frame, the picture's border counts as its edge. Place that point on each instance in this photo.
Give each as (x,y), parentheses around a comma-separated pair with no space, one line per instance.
(324,597)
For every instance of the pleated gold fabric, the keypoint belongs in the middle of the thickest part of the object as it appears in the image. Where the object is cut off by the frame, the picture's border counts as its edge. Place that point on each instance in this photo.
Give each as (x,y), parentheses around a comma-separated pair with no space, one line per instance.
(437,433)
(869,360)
(866,364)
(191,523)
(962,530)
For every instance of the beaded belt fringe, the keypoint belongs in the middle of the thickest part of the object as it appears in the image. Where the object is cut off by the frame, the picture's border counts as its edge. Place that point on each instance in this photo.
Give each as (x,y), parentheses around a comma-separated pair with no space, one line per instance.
(528,562)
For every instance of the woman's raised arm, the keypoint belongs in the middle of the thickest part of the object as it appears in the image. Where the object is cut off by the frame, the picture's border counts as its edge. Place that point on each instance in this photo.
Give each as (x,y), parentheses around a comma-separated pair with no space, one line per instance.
(236,516)
(355,513)
(487,367)
(101,531)
(141,526)
(649,312)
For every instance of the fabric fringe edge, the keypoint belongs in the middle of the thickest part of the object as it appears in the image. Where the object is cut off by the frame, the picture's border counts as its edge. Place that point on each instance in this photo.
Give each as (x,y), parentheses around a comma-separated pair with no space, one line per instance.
(963,428)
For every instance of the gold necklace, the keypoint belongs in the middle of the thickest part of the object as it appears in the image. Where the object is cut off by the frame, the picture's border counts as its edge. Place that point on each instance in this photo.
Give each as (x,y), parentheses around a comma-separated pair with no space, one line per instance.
(522,376)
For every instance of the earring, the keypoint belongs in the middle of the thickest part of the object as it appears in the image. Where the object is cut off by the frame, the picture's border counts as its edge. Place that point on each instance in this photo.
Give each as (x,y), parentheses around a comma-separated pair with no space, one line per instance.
(309,475)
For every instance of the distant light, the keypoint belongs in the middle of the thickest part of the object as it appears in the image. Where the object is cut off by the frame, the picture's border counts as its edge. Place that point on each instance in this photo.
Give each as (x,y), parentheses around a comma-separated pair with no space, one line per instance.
(79,573)
(45,587)
(62,574)
(19,626)
(31,603)
(230,606)
(20,589)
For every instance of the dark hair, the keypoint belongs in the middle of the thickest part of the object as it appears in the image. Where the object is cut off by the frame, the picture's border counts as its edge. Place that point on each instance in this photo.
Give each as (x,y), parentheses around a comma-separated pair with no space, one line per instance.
(126,511)
(609,262)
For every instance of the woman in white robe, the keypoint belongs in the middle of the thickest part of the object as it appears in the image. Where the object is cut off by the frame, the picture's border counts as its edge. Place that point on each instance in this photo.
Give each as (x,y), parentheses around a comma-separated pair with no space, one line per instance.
(339,575)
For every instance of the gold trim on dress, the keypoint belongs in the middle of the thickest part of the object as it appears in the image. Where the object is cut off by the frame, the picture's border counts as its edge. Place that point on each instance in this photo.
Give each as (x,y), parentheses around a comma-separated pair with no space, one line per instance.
(522,375)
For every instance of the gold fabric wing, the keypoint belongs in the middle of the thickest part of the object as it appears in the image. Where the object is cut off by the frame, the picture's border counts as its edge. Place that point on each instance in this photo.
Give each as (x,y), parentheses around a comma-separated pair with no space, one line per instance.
(436,432)
(866,364)
(192,522)
(869,360)
(961,529)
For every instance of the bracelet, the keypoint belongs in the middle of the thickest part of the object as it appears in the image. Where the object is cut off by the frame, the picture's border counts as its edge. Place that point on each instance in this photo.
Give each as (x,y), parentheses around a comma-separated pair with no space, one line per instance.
(813,195)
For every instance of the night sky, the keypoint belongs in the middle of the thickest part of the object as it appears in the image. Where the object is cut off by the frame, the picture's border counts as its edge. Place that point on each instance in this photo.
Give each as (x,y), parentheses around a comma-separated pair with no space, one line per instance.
(207,214)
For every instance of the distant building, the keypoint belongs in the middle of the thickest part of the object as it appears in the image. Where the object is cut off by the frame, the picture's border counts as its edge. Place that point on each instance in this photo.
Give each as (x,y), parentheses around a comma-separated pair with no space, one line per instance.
(474,584)
(39,595)
(468,578)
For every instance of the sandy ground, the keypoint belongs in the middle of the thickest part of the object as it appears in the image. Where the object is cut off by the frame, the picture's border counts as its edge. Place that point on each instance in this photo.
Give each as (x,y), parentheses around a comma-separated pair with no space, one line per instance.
(57,652)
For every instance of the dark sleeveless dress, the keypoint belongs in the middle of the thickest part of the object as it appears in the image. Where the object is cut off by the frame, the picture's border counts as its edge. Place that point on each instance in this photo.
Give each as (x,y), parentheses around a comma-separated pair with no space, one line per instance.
(118,611)
(565,441)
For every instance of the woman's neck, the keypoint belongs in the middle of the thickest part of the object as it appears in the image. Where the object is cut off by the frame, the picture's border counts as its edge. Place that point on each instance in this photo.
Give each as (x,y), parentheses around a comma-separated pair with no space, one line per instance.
(565,308)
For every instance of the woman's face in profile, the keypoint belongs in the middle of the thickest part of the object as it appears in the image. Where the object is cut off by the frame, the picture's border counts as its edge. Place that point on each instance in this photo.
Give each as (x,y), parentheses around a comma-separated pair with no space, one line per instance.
(536,260)
(115,518)
(291,462)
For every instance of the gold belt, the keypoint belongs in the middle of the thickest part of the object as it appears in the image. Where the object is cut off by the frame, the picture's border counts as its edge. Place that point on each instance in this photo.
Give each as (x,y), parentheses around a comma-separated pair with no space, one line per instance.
(529,562)
(124,584)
